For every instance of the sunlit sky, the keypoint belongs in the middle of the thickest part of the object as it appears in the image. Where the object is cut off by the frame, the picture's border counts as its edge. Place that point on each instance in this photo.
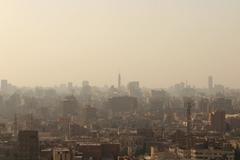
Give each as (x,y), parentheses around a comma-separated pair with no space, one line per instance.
(158,42)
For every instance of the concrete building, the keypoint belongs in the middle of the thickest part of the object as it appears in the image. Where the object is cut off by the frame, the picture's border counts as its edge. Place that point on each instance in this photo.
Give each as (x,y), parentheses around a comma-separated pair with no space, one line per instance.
(46,154)
(7,151)
(222,103)
(90,113)
(217,120)
(203,105)
(90,151)
(98,151)
(211,153)
(158,99)
(110,151)
(61,154)
(28,145)
(70,106)
(233,120)
(206,153)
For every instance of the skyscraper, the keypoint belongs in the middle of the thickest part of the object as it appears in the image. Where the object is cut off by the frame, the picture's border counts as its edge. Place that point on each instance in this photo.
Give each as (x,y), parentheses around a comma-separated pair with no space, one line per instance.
(210,82)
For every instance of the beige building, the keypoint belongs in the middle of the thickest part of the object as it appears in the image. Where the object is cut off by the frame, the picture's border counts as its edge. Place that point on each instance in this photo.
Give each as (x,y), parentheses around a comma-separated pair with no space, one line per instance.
(208,154)
(61,154)
(205,154)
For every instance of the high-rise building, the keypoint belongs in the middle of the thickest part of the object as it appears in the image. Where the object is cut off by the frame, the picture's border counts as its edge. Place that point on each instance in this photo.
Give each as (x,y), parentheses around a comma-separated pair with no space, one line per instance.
(134,89)
(86,93)
(210,82)
(4,85)
(218,121)
(28,145)
(70,106)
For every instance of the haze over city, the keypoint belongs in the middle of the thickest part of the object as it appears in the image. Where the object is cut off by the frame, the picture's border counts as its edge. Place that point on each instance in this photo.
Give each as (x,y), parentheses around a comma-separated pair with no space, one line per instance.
(119,80)
(157,42)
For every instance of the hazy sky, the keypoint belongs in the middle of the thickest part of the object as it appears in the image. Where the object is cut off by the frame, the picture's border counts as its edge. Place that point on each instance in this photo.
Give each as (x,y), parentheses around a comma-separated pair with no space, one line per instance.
(158,42)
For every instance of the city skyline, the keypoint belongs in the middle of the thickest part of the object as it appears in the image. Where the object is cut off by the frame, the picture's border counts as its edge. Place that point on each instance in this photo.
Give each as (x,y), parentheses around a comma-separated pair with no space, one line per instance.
(119,80)
(118,83)
(159,43)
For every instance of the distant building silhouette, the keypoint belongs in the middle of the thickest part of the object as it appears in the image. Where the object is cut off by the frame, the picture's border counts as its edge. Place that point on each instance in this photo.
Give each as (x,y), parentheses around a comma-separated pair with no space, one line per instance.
(4,85)
(86,93)
(203,105)
(123,104)
(70,106)
(210,82)
(223,103)
(134,89)
(90,113)
(70,85)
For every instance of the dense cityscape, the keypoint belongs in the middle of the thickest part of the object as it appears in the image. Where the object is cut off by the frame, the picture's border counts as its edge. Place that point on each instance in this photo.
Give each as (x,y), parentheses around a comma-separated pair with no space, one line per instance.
(119,80)
(121,122)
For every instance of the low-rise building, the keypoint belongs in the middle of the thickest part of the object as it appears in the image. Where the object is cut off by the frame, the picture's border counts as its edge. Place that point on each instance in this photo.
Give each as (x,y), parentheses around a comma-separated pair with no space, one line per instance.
(212,153)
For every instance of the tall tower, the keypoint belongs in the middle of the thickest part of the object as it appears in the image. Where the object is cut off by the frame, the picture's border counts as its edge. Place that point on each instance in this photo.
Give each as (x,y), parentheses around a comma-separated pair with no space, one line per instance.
(210,82)
(119,81)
